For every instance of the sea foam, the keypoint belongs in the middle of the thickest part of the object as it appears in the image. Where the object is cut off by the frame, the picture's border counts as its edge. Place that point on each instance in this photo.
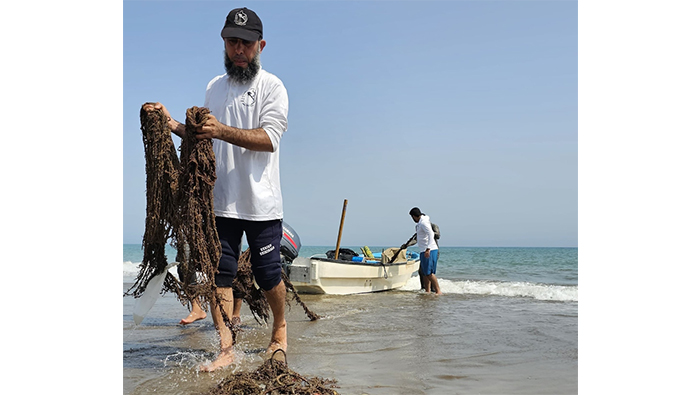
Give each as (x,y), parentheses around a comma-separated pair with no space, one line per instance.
(131,270)
(512,289)
(562,293)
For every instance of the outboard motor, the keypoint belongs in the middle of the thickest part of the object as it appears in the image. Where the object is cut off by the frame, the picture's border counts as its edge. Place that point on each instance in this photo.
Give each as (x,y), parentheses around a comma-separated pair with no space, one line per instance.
(289,245)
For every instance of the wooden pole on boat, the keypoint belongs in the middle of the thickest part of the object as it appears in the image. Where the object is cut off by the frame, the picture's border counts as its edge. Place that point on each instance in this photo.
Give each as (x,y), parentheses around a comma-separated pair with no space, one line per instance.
(340,231)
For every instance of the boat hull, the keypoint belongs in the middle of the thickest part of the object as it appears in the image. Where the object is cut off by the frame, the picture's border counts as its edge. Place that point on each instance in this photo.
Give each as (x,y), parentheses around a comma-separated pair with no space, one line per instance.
(334,277)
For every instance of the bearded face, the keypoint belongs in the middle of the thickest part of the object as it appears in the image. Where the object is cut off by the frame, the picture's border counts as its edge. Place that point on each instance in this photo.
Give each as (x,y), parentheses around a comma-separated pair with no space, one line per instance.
(242,75)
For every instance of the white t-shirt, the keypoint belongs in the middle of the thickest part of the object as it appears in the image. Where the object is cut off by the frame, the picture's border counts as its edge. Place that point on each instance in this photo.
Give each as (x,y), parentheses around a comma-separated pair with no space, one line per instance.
(425,237)
(248,182)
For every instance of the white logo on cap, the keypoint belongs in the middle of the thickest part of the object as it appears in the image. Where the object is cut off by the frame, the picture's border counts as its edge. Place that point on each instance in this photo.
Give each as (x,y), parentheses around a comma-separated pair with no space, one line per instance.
(241,18)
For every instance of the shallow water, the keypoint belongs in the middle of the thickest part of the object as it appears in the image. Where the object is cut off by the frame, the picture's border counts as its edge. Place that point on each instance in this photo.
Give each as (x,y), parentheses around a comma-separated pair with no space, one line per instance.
(396,342)
(506,324)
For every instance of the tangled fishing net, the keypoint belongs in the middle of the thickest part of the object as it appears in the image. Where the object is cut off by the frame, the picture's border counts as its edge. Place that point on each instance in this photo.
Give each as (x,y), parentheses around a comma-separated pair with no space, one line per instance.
(179,211)
(274,378)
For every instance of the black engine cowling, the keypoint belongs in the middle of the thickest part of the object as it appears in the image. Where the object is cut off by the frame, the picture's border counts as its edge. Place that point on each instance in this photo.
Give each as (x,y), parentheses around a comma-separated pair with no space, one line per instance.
(290,243)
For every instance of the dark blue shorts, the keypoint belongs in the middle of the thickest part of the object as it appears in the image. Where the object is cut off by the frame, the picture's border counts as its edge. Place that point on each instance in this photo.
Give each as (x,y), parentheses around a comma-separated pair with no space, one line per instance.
(264,241)
(428,266)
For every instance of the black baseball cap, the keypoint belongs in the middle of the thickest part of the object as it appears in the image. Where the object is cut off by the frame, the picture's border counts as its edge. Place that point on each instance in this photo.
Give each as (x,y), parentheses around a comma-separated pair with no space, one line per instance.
(244,24)
(415,212)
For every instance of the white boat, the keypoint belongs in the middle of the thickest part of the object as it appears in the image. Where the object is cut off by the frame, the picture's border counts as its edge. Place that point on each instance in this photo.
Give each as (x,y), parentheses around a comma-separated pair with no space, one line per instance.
(321,275)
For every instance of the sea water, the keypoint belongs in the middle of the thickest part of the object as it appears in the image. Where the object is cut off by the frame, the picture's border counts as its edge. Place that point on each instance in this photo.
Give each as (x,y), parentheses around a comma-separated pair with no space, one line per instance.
(507,323)
(540,273)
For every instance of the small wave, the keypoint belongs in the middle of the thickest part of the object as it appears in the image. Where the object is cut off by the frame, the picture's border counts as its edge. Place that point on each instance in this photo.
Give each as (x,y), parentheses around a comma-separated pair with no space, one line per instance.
(560,293)
(131,270)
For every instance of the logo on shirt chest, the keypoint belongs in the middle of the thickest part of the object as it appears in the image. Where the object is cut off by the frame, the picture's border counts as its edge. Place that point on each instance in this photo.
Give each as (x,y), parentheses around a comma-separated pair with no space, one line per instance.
(249,98)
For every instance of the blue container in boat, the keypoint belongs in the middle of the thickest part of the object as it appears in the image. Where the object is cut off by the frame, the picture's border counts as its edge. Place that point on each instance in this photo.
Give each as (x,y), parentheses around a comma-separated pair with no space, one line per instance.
(357,259)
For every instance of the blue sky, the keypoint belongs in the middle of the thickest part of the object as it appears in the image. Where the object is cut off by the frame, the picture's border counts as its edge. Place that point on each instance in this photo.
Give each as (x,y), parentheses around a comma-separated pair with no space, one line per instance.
(466,109)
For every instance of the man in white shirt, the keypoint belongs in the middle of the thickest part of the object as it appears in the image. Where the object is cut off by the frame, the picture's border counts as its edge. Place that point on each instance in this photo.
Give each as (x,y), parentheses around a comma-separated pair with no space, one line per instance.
(248,117)
(425,238)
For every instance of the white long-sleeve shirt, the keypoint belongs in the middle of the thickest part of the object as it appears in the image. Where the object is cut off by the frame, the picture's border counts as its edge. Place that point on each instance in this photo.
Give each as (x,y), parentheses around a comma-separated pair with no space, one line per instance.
(425,237)
(248,182)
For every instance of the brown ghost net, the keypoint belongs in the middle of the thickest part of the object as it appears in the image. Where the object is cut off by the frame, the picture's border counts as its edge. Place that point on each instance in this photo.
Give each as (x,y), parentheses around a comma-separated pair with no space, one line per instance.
(274,378)
(179,209)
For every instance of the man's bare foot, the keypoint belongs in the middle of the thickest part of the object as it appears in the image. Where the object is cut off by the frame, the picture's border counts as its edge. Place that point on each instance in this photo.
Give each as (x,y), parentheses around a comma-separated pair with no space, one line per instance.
(194,316)
(225,358)
(278,340)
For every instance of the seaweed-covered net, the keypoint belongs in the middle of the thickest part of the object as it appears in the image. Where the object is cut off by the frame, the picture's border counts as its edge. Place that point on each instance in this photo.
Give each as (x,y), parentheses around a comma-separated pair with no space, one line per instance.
(274,378)
(179,210)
